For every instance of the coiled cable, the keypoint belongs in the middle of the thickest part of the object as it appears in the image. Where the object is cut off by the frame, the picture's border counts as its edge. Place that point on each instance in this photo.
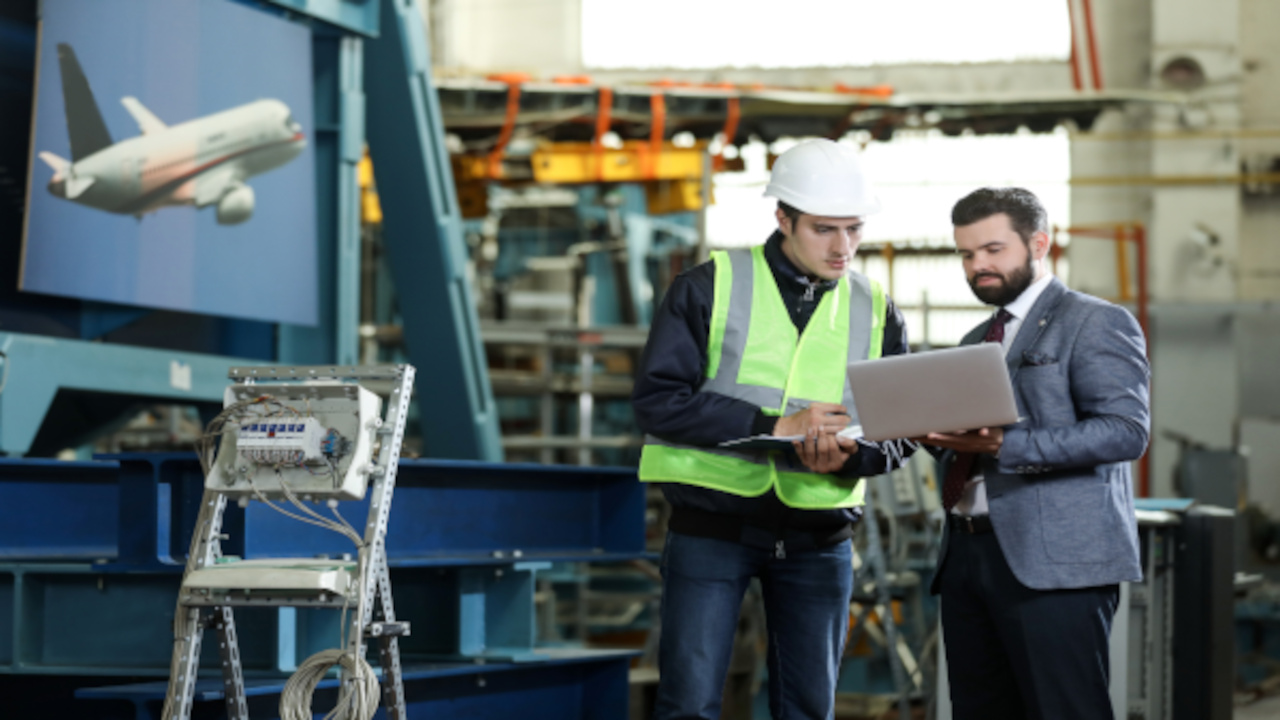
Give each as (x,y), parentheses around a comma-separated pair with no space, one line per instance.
(357,699)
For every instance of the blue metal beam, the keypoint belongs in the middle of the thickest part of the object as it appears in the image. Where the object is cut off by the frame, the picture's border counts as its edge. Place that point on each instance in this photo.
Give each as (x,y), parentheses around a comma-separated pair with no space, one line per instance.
(92,553)
(136,511)
(359,16)
(422,231)
(38,522)
(339,140)
(37,367)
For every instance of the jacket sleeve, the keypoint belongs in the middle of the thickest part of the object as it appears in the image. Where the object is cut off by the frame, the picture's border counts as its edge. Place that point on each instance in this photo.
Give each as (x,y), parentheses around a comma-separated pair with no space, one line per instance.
(673,365)
(871,461)
(1107,387)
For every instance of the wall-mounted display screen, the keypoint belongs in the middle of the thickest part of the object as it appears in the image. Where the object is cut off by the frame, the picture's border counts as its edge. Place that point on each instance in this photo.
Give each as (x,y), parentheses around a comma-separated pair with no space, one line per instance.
(171,159)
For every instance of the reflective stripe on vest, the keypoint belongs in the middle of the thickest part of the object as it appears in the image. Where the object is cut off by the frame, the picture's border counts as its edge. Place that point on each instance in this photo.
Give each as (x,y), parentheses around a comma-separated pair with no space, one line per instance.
(755,354)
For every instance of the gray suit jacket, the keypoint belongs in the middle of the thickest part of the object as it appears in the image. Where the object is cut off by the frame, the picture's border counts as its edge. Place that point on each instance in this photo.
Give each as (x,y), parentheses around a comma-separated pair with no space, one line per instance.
(1061,491)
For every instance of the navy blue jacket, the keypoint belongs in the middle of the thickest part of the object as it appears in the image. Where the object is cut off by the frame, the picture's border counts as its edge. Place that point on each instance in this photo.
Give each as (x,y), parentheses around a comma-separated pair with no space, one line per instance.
(668,405)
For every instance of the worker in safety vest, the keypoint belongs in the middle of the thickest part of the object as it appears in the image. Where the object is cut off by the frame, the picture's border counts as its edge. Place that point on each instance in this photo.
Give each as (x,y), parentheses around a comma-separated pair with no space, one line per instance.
(756,341)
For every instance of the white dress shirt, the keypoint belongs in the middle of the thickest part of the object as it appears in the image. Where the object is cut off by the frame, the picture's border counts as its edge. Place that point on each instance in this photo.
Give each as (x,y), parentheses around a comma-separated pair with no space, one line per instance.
(974,499)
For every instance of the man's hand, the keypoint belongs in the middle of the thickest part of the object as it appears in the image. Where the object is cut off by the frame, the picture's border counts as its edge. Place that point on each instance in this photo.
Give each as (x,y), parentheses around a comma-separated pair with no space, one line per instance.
(983,440)
(825,453)
(813,421)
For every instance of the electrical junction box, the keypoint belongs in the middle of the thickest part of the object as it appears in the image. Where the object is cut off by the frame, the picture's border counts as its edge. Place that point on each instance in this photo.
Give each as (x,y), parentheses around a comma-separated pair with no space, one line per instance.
(314,440)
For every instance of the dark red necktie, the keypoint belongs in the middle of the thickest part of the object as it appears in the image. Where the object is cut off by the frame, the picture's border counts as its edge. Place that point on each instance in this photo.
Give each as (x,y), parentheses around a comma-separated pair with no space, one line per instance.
(962,465)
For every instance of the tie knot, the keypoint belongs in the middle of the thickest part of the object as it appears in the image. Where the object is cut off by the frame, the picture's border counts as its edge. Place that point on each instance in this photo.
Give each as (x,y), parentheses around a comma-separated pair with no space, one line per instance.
(995,332)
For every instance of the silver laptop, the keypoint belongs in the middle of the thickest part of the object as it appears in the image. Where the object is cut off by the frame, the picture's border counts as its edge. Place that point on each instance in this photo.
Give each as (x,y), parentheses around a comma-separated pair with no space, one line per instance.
(951,390)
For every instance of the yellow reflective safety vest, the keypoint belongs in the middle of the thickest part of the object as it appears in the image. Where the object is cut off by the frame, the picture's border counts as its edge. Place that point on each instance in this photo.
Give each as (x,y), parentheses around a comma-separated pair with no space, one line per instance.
(754,353)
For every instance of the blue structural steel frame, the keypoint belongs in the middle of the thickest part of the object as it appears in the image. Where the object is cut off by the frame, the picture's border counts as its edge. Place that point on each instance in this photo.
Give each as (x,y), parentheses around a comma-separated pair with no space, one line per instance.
(358,16)
(422,232)
(35,368)
(93,556)
(435,296)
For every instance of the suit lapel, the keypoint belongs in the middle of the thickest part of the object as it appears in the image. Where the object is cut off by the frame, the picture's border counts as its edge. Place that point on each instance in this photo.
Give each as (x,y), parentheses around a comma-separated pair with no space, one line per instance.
(1034,324)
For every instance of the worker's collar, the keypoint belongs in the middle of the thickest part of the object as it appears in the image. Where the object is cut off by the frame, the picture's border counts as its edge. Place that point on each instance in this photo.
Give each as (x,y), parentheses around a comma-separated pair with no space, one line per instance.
(785,270)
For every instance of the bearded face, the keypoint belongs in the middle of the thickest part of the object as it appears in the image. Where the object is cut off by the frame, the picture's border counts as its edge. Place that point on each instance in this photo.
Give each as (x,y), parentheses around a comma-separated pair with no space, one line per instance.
(994,287)
(998,263)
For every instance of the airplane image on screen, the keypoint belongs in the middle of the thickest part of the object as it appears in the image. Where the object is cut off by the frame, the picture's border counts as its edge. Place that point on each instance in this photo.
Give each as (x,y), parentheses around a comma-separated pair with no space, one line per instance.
(201,162)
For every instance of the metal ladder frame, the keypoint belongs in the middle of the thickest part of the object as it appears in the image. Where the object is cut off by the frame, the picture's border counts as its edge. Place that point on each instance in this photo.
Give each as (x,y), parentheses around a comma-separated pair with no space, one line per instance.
(374,614)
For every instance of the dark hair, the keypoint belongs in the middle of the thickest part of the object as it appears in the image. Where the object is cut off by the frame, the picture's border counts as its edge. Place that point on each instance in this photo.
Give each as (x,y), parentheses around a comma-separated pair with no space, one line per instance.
(1026,214)
(792,214)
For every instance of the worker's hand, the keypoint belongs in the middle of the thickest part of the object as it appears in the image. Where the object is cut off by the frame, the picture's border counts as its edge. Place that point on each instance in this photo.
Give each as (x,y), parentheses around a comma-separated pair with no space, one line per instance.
(817,419)
(825,453)
(983,440)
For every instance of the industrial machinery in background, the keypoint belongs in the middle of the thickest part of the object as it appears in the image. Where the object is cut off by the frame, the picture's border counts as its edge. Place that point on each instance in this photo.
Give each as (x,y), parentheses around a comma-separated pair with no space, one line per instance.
(890,658)
(566,280)
(1225,477)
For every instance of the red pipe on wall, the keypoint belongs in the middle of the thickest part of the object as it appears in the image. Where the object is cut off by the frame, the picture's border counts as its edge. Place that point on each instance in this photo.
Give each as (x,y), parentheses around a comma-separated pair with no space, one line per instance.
(1093,45)
(1075,59)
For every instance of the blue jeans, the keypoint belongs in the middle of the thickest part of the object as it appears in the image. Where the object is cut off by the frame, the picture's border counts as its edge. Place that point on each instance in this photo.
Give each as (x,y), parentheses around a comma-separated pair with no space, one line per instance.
(806,601)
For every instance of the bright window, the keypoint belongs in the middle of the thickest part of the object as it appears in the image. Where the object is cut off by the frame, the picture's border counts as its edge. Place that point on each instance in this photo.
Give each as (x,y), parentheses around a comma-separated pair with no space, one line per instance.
(700,34)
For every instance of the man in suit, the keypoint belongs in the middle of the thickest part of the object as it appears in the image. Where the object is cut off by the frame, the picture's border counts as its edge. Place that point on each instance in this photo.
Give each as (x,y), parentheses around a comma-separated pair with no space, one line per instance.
(1040,523)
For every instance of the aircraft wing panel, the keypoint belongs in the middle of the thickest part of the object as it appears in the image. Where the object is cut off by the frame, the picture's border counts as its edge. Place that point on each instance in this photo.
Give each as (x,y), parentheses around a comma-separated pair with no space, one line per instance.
(212,185)
(77,185)
(147,121)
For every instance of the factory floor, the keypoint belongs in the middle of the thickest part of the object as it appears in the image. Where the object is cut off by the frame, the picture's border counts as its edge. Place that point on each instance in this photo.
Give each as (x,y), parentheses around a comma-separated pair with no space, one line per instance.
(1267,708)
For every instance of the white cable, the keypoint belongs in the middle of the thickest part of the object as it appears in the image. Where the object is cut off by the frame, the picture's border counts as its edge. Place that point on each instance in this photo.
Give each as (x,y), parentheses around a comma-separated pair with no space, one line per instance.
(319,521)
(893,450)
(343,529)
(333,508)
(357,699)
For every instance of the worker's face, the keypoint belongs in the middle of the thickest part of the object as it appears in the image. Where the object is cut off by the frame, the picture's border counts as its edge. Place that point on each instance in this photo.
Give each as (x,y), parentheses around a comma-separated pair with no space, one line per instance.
(821,247)
(997,262)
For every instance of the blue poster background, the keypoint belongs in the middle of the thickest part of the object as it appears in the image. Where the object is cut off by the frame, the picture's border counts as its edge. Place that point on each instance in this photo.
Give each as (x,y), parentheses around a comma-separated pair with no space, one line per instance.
(182,59)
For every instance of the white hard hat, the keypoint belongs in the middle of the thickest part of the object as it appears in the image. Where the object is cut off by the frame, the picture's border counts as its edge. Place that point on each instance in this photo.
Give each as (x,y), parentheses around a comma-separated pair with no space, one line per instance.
(822,177)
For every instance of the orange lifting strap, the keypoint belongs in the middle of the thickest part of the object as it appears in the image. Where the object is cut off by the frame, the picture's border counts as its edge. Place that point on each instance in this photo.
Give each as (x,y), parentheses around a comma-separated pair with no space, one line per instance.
(513,81)
(732,113)
(657,127)
(602,126)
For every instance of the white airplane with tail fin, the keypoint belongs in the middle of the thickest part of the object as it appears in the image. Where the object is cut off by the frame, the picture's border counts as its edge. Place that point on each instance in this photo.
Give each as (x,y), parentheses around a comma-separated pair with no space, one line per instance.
(200,162)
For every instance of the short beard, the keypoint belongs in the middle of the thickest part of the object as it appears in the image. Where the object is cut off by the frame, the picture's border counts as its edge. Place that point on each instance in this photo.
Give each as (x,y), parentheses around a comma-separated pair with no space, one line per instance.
(1010,287)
